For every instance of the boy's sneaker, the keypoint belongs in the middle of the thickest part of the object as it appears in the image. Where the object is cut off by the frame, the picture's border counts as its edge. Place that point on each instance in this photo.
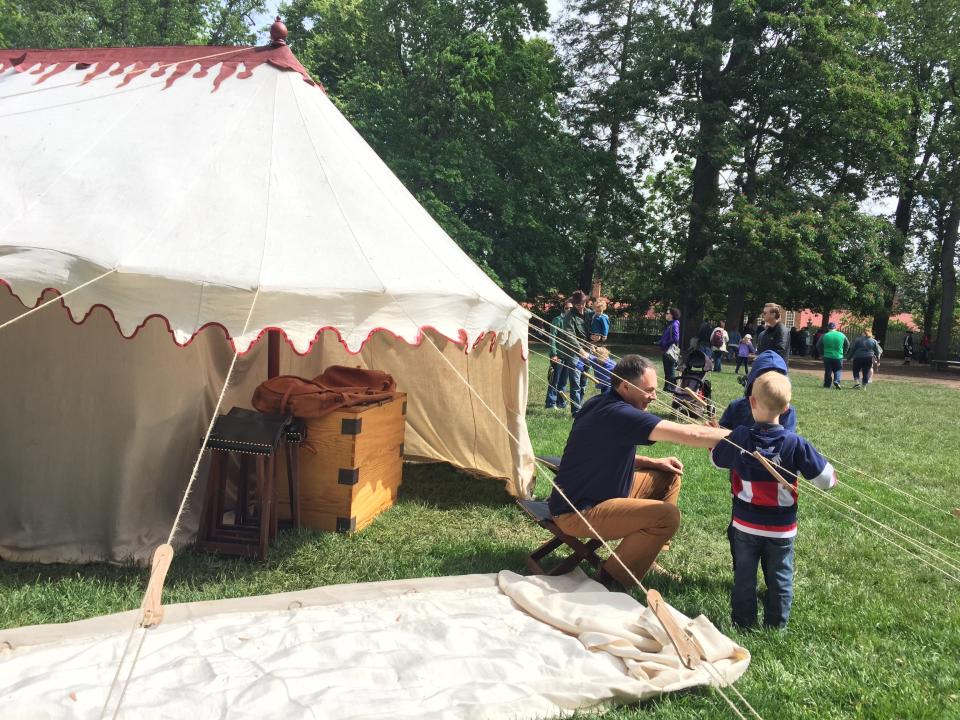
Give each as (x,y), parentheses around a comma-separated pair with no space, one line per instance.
(836,384)
(856,386)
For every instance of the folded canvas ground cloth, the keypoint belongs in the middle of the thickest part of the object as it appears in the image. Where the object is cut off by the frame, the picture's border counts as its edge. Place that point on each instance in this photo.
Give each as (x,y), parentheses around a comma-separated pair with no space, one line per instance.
(476,646)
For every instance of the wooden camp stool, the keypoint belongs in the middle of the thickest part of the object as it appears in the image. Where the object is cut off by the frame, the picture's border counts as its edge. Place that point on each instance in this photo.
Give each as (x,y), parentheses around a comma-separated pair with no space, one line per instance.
(254,439)
(580,551)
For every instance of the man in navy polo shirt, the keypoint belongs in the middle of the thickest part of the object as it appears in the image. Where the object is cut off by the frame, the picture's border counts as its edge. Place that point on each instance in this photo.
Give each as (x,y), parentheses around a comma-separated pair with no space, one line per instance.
(622,494)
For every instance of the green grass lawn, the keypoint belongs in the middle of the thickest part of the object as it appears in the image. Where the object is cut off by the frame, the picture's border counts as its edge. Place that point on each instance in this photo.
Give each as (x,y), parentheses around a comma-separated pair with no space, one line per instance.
(874,632)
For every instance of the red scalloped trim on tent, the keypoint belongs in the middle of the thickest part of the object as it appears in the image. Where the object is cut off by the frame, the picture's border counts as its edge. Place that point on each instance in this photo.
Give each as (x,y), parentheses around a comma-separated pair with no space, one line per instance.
(183,58)
(462,341)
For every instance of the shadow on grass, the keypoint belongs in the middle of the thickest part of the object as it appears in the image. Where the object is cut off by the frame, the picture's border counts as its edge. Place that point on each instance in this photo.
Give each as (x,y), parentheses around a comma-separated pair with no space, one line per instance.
(426,489)
(444,487)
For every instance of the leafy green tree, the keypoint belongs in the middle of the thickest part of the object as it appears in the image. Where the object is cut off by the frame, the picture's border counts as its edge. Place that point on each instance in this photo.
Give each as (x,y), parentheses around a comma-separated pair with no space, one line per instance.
(95,23)
(921,47)
(460,99)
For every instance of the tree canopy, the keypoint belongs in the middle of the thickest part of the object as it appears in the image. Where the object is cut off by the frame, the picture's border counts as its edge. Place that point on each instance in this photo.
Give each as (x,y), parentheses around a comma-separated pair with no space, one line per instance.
(713,155)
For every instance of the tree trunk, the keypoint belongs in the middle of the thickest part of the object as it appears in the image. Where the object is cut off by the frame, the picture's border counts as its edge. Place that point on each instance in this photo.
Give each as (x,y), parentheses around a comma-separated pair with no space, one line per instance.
(734,318)
(588,266)
(826,317)
(908,190)
(712,110)
(932,303)
(948,275)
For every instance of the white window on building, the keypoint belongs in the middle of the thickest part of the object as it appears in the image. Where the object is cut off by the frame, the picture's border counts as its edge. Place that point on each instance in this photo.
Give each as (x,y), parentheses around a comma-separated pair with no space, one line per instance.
(790,318)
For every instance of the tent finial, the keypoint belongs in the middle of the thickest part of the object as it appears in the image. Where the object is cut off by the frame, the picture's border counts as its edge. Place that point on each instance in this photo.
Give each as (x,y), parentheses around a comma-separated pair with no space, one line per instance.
(278,33)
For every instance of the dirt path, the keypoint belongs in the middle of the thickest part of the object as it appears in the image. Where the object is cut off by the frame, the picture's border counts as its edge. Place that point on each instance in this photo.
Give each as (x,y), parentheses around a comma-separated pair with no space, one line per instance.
(892,369)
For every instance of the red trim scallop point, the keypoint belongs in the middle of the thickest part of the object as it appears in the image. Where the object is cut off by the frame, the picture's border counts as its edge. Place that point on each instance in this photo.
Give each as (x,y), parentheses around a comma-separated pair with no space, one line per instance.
(461,341)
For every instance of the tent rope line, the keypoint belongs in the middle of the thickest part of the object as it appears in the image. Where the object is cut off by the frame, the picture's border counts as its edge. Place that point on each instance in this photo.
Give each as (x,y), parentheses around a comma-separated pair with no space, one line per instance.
(175,527)
(204,164)
(106,76)
(935,554)
(824,496)
(59,296)
(846,466)
(889,485)
(580,515)
(931,551)
(216,412)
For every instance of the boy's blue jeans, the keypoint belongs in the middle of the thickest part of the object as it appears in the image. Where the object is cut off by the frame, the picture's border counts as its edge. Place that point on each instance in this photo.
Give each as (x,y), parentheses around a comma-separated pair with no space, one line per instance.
(775,556)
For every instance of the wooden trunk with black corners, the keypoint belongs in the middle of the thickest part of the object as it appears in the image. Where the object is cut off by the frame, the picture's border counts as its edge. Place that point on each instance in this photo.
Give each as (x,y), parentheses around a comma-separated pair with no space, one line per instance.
(357,468)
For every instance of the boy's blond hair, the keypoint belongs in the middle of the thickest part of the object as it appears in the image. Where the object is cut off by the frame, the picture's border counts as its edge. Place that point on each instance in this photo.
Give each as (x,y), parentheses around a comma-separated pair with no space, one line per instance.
(602,353)
(777,310)
(773,392)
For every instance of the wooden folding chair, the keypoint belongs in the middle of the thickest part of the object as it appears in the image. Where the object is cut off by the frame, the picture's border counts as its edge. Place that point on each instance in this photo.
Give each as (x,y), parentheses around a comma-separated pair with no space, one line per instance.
(580,551)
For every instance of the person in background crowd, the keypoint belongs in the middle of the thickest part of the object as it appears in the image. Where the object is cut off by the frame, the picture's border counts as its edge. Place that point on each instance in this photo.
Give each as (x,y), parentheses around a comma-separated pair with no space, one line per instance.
(865,349)
(908,347)
(815,344)
(924,355)
(738,412)
(600,325)
(718,345)
(833,346)
(558,373)
(806,339)
(775,335)
(735,337)
(744,348)
(794,340)
(574,346)
(703,337)
(670,345)
(601,365)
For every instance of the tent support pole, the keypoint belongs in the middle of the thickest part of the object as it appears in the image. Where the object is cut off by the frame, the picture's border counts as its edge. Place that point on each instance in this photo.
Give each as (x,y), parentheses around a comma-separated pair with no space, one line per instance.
(273,353)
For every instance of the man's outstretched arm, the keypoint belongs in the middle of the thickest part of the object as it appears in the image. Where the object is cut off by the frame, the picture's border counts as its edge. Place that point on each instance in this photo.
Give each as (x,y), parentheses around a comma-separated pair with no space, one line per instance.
(701,436)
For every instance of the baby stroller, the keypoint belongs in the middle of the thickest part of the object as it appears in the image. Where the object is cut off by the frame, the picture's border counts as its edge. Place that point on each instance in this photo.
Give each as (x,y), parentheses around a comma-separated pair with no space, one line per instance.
(693,395)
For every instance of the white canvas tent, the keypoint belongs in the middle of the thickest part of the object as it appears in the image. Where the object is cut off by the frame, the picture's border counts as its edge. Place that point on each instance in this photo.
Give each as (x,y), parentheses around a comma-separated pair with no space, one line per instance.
(184,201)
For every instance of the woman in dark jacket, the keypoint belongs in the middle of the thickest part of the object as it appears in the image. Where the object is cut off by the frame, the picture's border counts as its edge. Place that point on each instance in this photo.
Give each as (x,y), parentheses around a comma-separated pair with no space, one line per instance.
(670,345)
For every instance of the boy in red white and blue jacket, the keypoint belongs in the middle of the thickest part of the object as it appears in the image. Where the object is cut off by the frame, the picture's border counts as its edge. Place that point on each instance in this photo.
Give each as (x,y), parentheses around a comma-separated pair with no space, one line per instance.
(764,522)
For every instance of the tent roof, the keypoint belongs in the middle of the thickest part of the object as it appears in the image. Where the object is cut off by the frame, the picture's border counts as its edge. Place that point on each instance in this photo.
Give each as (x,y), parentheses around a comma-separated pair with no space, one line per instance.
(219,186)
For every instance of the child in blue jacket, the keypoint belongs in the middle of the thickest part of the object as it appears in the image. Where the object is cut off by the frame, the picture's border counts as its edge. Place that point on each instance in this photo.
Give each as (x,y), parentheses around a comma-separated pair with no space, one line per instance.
(764,521)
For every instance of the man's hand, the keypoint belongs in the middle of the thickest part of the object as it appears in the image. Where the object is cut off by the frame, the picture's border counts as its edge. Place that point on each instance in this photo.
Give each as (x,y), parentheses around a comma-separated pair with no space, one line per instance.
(668,465)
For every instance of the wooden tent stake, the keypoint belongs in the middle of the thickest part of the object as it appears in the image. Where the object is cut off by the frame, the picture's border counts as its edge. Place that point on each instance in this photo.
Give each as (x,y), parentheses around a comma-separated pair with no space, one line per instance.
(152,600)
(696,397)
(689,655)
(772,470)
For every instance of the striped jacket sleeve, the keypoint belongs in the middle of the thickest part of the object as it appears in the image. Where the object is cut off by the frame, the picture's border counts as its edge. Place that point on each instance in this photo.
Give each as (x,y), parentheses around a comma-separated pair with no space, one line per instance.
(814,466)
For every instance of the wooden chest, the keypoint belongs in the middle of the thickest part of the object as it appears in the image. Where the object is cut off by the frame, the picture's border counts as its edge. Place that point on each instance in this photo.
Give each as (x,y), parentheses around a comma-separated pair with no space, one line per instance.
(355,474)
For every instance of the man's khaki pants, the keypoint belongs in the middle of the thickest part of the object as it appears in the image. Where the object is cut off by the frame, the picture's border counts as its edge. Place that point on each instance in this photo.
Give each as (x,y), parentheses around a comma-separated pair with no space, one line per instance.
(646,520)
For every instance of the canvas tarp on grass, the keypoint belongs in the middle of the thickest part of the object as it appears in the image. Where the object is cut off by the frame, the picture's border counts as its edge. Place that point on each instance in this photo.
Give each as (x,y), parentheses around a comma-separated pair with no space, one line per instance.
(478,646)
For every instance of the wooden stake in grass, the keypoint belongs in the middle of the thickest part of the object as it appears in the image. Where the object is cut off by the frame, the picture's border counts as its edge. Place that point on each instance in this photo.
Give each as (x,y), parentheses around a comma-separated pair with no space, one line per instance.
(689,655)
(772,470)
(152,599)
